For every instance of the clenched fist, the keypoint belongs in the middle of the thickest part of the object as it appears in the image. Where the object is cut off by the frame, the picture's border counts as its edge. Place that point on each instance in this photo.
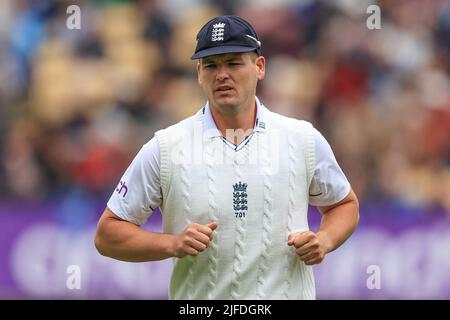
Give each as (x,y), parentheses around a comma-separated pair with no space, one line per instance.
(194,239)
(309,246)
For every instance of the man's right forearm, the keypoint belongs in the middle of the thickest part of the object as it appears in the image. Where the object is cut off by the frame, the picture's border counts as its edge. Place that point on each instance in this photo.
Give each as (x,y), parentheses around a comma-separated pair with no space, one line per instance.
(125,241)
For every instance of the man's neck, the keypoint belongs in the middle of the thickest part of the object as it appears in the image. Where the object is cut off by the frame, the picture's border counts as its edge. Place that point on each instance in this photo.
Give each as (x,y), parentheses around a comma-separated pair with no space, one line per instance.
(235,126)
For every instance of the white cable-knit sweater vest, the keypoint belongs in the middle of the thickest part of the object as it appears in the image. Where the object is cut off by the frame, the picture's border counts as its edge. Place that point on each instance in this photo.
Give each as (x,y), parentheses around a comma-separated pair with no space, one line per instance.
(258,195)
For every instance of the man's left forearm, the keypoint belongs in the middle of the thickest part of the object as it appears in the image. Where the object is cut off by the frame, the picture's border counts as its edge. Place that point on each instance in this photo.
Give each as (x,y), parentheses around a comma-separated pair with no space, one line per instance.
(338,222)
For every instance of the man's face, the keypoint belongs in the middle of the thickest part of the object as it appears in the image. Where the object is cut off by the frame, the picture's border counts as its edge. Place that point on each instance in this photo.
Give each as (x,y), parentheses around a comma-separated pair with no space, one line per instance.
(229,80)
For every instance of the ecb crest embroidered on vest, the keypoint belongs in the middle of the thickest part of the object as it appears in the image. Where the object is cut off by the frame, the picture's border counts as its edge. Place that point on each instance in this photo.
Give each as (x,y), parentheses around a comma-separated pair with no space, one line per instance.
(240,199)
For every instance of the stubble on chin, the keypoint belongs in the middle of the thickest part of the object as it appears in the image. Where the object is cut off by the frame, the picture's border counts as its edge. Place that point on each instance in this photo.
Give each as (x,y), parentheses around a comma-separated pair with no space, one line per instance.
(227,107)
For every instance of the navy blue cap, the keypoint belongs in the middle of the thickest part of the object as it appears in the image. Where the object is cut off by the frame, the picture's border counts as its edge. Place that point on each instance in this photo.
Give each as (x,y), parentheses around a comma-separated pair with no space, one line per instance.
(226,34)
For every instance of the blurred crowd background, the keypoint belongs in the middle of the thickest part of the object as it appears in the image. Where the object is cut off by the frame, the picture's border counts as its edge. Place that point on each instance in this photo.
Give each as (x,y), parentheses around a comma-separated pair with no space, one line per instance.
(76,105)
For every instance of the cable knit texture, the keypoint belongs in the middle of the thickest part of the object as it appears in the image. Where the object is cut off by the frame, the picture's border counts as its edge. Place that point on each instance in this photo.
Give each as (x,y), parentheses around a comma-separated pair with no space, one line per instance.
(266,217)
(186,200)
(240,237)
(212,210)
(248,258)
(290,255)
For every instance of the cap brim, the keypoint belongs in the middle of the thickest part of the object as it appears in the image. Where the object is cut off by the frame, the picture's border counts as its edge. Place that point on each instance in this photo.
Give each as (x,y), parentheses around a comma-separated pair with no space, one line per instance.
(221,50)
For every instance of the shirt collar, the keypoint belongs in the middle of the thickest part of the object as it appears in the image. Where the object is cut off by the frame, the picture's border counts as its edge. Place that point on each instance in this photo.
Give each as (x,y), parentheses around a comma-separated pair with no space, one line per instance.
(210,127)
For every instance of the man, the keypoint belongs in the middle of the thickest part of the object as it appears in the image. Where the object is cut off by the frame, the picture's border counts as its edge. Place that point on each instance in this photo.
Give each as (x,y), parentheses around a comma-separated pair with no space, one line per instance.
(233,183)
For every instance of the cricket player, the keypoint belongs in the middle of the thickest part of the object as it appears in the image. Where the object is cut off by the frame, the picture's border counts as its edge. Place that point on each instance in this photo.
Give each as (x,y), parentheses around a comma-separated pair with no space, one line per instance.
(233,183)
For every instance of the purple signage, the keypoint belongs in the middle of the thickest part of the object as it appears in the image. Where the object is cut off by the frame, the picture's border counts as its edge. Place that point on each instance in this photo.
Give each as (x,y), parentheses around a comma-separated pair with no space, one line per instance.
(44,256)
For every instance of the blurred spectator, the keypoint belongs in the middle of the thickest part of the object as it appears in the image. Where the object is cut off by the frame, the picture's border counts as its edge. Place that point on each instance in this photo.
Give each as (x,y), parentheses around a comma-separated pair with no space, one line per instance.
(76,105)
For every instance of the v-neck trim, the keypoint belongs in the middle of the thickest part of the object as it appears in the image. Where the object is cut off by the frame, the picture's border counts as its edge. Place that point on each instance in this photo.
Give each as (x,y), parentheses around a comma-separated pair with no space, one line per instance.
(211,130)
(240,145)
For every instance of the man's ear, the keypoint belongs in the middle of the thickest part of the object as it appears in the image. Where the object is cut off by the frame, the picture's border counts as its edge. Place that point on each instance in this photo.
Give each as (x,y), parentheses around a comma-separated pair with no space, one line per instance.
(198,73)
(261,67)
